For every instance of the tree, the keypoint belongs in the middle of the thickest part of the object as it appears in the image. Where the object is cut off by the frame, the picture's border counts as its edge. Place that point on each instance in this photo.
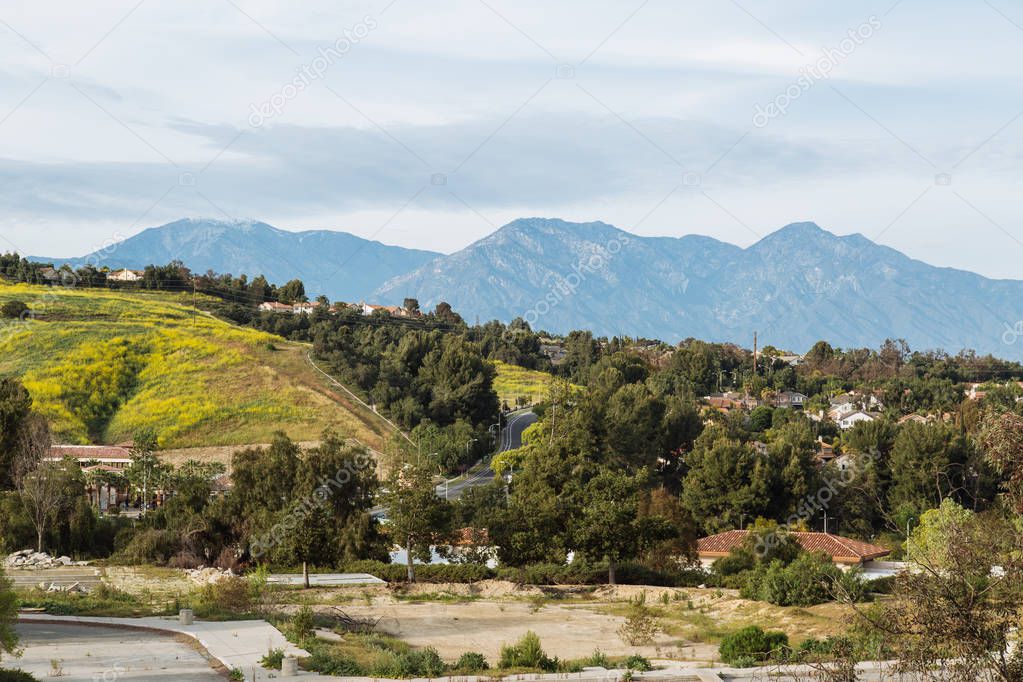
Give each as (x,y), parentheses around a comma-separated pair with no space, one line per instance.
(419,518)
(146,472)
(15,406)
(8,615)
(292,292)
(956,615)
(727,481)
(609,526)
(411,306)
(40,483)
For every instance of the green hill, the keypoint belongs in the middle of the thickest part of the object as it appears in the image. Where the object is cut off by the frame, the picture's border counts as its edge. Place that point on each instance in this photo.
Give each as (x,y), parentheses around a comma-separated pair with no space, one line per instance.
(101,364)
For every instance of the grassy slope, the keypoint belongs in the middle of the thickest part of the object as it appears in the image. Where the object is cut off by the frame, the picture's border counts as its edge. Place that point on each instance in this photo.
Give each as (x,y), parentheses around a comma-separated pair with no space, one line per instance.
(513,381)
(101,364)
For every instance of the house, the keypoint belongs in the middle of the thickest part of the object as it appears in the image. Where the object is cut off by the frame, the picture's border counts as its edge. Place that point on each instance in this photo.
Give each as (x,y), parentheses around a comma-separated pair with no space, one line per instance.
(843,552)
(101,465)
(916,418)
(49,274)
(125,275)
(555,352)
(847,403)
(760,448)
(790,399)
(791,360)
(825,451)
(850,420)
(275,307)
(722,402)
(307,307)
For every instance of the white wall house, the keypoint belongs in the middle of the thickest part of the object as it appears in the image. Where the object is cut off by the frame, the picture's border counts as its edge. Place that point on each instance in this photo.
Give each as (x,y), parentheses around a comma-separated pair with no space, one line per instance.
(850,420)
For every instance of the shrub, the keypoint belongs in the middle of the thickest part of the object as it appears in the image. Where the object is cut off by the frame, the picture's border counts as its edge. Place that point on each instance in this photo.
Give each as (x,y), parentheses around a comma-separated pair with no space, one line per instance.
(273,660)
(640,626)
(149,547)
(302,624)
(328,661)
(637,662)
(411,663)
(752,643)
(13,309)
(230,595)
(527,653)
(472,661)
(810,579)
(598,659)
(16,676)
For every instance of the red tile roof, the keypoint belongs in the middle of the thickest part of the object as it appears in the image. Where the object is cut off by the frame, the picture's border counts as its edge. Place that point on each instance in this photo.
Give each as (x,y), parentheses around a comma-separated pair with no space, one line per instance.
(90,451)
(840,549)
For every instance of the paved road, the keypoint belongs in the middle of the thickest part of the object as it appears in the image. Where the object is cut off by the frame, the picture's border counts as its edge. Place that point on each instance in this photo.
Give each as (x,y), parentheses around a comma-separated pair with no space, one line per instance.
(85,653)
(511,438)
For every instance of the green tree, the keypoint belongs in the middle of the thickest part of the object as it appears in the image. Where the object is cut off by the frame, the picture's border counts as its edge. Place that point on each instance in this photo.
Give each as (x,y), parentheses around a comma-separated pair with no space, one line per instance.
(8,615)
(418,518)
(727,481)
(15,405)
(292,292)
(13,309)
(608,524)
(146,473)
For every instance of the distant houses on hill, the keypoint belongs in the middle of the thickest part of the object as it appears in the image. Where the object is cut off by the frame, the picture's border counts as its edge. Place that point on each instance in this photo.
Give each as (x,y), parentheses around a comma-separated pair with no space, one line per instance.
(309,307)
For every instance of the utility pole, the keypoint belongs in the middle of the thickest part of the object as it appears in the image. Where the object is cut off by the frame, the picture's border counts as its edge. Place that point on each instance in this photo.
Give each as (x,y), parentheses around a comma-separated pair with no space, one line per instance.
(754,353)
(825,522)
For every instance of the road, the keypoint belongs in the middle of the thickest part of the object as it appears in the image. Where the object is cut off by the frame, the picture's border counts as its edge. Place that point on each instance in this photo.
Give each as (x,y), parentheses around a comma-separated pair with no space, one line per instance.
(511,438)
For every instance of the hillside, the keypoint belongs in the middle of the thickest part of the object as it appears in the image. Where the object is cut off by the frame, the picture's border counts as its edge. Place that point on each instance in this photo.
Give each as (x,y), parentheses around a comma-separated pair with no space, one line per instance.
(795,286)
(513,382)
(338,264)
(102,364)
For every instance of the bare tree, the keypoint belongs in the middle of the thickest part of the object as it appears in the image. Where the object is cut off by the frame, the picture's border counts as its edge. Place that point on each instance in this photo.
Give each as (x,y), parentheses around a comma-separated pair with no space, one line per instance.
(40,483)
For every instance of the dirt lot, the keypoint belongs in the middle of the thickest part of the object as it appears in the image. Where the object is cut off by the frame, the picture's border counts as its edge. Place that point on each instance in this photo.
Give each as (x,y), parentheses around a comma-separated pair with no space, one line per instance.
(571,621)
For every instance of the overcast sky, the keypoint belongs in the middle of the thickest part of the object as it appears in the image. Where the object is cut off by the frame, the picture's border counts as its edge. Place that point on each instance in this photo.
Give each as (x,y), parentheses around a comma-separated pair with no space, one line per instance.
(431,124)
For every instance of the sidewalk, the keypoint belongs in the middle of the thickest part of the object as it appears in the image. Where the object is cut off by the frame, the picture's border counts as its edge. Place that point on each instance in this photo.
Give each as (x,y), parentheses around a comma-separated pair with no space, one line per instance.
(236,644)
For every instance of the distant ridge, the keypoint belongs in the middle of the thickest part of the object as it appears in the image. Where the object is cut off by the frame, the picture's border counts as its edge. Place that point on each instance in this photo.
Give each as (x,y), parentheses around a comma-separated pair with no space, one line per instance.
(795,286)
(338,264)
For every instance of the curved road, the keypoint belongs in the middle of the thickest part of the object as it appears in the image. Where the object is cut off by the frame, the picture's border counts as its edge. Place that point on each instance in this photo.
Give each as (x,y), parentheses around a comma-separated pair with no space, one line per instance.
(511,438)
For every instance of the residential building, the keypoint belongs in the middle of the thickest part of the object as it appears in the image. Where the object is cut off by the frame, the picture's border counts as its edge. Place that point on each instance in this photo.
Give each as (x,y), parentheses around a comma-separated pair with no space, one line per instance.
(844,552)
(850,420)
(275,307)
(307,307)
(125,275)
(790,399)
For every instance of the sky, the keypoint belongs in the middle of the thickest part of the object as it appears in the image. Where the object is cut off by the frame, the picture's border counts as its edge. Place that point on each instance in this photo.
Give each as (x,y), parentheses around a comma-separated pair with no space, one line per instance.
(430,125)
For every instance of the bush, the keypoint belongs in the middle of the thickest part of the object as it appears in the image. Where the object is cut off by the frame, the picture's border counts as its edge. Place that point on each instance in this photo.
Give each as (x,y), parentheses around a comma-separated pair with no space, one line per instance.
(16,676)
(810,579)
(149,547)
(637,662)
(598,659)
(13,309)
(330,662)
(273,660)
(472,661)
(753,643)
(411,663)
(302,624)
(230,595)
(640,626)
(527,653)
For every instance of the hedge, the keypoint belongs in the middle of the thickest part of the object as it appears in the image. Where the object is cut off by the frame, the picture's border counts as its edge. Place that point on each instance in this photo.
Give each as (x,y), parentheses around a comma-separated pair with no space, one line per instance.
(576,573)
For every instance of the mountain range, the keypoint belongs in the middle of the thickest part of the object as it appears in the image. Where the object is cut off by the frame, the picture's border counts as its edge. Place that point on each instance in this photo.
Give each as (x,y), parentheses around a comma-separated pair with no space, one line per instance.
(338,264)
(795,286)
